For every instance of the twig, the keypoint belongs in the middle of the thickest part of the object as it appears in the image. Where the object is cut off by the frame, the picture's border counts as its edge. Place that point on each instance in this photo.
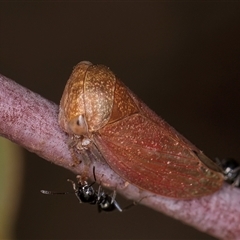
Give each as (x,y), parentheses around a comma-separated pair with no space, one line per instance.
(31,121)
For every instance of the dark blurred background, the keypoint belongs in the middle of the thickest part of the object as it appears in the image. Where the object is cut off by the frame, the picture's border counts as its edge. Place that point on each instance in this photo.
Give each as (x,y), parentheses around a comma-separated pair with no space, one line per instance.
(181,59)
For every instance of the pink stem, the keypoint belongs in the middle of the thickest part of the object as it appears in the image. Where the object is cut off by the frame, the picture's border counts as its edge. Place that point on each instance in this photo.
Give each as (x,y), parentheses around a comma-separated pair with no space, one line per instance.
(31,121)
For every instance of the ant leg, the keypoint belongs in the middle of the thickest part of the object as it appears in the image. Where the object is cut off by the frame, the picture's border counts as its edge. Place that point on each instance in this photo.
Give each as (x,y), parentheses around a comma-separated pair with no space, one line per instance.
(114,196)
(113,201)
(73,184)
(236,182)
(135,203)
(94,175)
(99,193)
(52,193)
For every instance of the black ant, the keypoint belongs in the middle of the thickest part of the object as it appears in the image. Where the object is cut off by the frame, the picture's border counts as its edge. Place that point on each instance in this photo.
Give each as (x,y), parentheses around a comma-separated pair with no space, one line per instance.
(231,170)
(87,194)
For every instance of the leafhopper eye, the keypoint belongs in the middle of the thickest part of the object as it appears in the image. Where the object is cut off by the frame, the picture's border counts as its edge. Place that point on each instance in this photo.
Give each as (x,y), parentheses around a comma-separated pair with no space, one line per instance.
(78,126)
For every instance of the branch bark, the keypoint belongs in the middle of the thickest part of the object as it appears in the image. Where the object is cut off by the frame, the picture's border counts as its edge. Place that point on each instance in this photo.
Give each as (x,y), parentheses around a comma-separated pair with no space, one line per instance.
(31,121)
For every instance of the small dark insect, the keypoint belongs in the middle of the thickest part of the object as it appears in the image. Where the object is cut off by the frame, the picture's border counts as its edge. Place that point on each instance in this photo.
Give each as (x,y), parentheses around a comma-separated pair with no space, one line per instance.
(87,194)
(231,170)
